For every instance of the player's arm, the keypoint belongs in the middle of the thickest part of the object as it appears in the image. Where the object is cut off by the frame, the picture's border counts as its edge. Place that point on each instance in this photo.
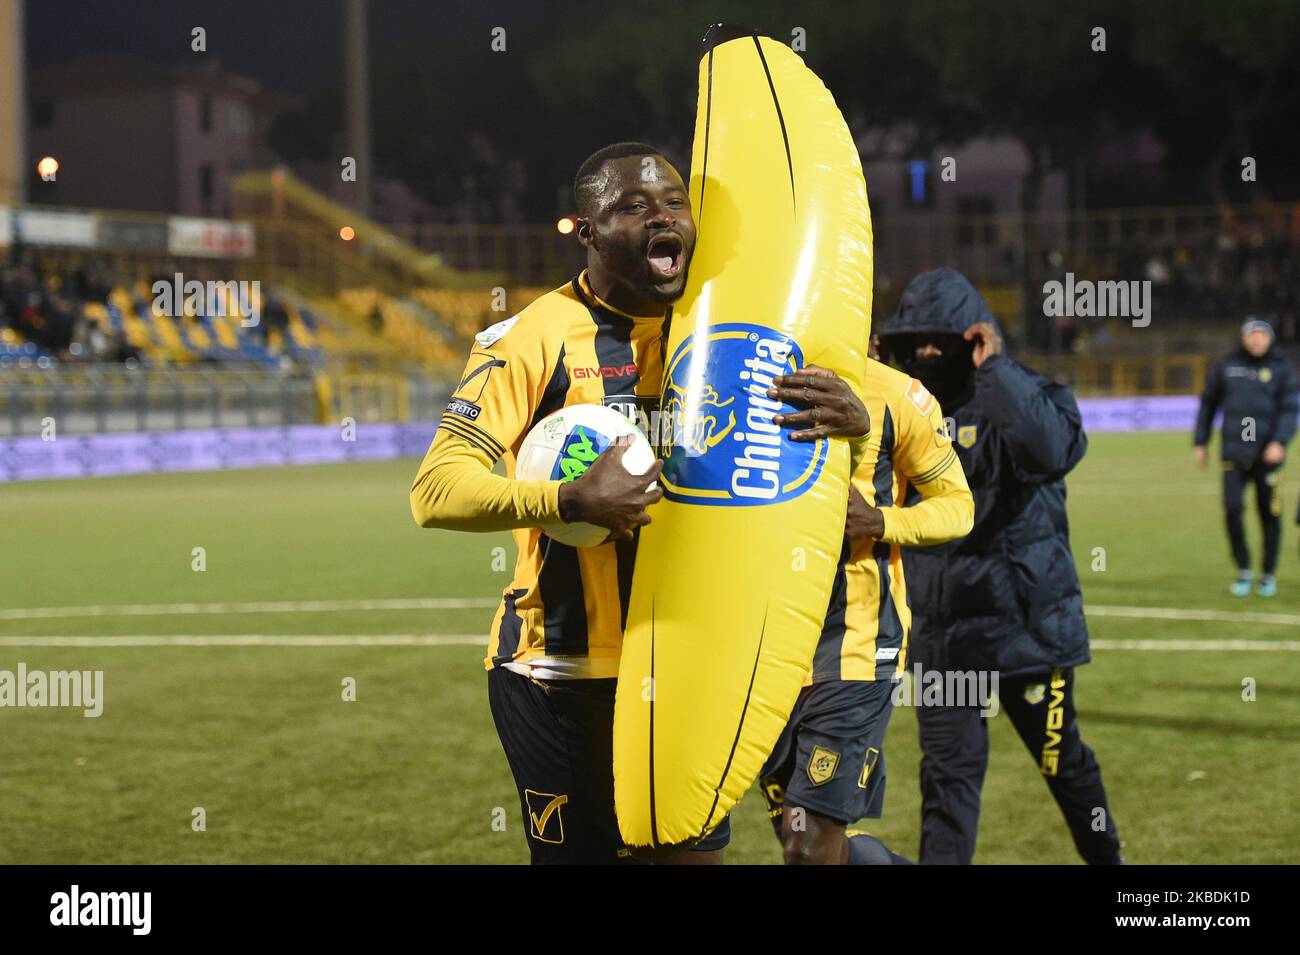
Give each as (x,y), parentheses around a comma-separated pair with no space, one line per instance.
(488,415)
(925,459)
(490,412)
(1288,404)
(1039,420)
(456,489)
(1211,399)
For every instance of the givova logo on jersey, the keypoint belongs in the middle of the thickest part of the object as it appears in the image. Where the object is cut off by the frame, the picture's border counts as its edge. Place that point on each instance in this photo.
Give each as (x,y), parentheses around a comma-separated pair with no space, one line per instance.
(717,437)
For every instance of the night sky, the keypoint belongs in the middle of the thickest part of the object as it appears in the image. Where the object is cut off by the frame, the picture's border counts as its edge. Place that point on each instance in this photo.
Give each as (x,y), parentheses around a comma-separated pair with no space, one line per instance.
(291,46)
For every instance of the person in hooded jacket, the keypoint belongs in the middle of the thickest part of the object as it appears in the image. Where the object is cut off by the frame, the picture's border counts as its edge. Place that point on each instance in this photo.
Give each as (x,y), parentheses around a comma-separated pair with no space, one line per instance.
(1005,599)
(1255,387)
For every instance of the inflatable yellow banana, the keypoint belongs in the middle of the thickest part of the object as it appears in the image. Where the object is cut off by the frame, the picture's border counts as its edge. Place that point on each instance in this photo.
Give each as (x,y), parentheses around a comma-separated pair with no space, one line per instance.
(733,577)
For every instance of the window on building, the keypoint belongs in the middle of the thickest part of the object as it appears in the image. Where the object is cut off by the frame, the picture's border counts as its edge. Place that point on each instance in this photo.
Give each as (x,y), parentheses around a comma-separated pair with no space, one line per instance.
(205,114)
(918,183)
(238,120)
(206,183)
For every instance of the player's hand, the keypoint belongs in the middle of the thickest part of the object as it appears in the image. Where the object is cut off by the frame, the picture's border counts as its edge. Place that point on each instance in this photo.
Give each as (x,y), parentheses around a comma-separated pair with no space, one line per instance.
(864,521)
(1274,453)
(1201,458)
(830,406)
(608,496)
(987,342)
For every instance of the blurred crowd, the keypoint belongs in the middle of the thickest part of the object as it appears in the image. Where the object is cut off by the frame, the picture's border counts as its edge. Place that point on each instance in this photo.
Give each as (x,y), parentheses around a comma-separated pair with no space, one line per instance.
(1212,276)
(1222,276)
(45,304)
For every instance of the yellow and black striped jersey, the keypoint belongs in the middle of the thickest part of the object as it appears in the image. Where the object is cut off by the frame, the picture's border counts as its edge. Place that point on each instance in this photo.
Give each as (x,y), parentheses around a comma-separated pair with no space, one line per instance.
(562,615)
(867,625)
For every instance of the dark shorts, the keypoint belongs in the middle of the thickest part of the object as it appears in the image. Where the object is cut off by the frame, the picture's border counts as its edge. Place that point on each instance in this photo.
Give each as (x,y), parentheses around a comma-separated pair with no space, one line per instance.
(830,757)
(558,737)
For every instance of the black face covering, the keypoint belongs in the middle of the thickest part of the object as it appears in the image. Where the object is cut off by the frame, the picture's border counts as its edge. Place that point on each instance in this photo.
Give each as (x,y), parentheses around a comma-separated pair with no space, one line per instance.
(950,377)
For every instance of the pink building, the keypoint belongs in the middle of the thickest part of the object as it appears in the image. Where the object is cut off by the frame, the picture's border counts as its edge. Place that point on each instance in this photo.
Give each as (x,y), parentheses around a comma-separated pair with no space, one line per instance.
(144,136)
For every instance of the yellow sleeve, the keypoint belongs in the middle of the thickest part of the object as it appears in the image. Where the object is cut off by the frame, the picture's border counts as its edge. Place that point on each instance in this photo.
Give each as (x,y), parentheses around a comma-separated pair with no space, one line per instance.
(488,415)
(924,458)
(858,451)
(457,490)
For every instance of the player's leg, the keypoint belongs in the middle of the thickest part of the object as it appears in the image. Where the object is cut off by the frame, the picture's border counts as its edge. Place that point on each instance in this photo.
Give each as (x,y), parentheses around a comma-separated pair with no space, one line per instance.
(864,848)
(954,757)
(774,780)
(775,775)
(1041,708)
(1268,501)
(831,763)
(708,851)
(1234,489)
(558,739)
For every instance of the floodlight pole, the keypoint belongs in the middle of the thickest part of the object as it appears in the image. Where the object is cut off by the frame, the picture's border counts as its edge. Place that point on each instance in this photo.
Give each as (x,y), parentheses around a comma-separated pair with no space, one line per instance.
(13,105)
(356,93)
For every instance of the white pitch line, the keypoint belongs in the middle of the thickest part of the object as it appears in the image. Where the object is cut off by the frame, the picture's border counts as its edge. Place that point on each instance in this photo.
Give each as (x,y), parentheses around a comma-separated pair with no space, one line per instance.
(1192,645)
(486,603)
(1213,616)
(278,606)
(254,640)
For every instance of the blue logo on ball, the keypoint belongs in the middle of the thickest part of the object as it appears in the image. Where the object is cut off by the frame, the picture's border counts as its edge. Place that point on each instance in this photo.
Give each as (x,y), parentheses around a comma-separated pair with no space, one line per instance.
(582,446)
(717,437)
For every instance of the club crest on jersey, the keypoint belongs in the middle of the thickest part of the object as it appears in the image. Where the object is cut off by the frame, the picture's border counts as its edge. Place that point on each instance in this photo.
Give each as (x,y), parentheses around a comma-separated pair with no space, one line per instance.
(822,764)
(719,443)
(1034,694)
(545,822)
(966,435)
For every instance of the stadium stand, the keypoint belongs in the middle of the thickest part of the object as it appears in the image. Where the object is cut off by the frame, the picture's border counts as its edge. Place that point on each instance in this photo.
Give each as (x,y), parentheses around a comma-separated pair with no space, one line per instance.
(380,325)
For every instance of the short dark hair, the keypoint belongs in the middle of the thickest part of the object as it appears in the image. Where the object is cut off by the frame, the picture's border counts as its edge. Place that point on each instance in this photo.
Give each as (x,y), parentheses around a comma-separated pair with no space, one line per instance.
(584,183)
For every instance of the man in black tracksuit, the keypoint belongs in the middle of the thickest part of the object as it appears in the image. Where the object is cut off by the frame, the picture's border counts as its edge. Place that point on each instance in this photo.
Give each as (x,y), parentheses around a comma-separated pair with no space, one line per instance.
(1006,598)
(1256,388)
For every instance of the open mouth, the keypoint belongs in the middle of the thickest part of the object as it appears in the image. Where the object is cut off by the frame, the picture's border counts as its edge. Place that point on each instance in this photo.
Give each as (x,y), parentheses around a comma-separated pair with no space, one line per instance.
(664,253)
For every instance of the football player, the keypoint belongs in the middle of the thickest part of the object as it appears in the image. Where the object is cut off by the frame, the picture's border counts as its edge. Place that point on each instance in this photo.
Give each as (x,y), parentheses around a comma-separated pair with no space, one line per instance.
(554,647)
(828,767)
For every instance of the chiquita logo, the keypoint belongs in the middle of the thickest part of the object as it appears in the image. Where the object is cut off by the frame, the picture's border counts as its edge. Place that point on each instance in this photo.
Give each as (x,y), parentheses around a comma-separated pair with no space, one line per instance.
(724,447)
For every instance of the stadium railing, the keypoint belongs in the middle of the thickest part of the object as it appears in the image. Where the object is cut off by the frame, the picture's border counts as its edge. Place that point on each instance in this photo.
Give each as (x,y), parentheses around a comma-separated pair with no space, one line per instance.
(102,398)
(1126,375)
(107,397)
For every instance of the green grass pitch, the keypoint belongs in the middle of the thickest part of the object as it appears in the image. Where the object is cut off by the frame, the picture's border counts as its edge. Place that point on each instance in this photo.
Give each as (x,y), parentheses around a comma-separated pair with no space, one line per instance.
(259,737)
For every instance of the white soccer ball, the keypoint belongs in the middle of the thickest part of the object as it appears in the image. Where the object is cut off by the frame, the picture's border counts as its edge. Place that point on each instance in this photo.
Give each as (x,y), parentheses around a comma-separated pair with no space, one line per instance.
(564,444)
